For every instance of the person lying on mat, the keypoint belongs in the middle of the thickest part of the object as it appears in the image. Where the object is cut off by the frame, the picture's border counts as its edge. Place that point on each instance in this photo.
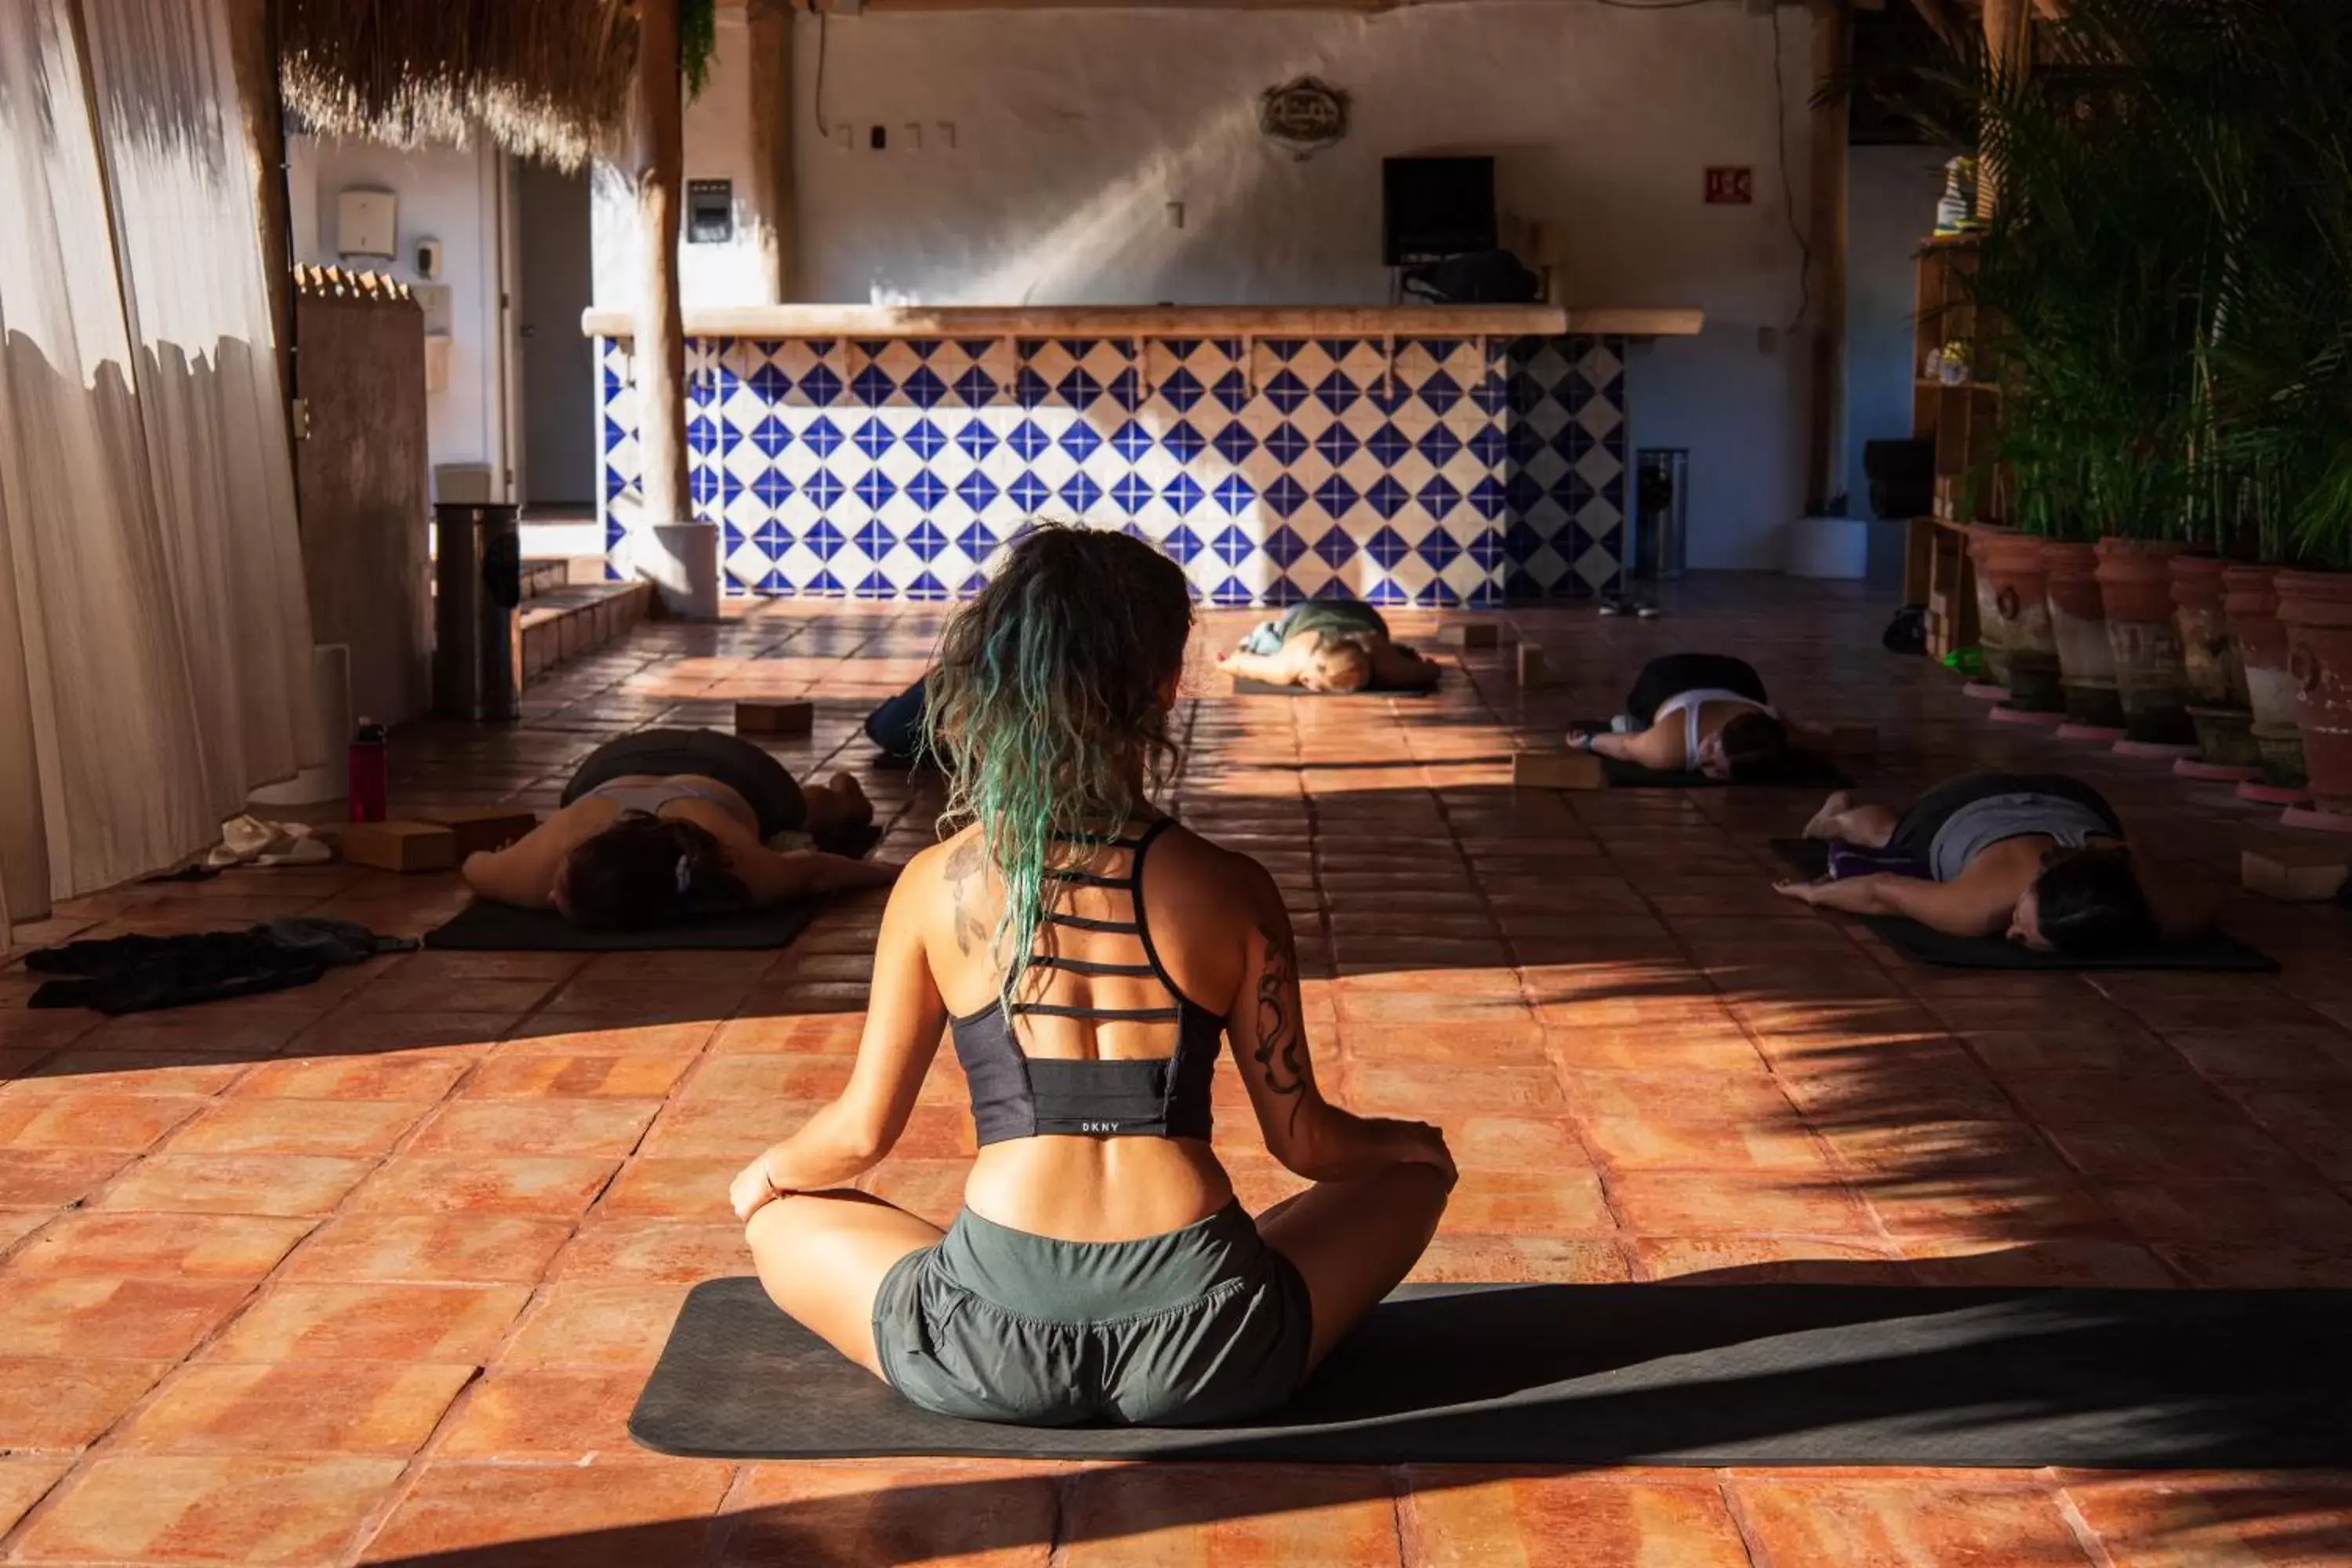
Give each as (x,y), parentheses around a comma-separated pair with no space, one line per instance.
(1329,645)
(1088,956)
(2040,857)
(1701,713)
(896,728)
(667,826)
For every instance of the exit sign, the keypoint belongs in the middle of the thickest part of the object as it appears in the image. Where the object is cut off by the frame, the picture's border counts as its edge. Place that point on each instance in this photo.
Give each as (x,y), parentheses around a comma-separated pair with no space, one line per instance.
(1729,187)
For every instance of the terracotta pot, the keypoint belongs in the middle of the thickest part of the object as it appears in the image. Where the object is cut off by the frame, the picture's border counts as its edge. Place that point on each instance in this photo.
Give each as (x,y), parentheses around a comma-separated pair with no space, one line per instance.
(2317,607)
(2225,737)
(2010,566)
(2216,679)
(2136,590)
(1992,630)
(2250,600)
(2078,617)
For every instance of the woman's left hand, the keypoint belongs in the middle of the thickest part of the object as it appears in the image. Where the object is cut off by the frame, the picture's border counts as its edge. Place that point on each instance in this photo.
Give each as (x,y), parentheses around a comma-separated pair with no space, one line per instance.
(752,1190)
(1803,892)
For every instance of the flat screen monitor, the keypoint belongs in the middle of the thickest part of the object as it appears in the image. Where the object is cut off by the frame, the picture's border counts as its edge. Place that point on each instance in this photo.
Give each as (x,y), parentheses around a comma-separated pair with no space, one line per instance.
(1434,207)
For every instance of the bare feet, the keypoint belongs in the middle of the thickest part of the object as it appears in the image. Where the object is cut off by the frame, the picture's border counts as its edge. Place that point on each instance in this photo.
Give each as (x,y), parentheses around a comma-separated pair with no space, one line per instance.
(1825,821)
(856,811)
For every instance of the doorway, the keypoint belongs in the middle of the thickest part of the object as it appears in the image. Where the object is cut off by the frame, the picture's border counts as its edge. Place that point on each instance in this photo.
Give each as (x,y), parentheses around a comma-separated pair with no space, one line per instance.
(553,275)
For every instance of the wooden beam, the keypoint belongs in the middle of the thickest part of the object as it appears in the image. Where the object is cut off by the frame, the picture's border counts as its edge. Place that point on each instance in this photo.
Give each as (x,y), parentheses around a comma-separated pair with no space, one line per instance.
(253,49)
(903,7)
(776,234)
(1168,322)
(2009,43)
(1826,451)
(660,349)
(900,7)
(1938,17)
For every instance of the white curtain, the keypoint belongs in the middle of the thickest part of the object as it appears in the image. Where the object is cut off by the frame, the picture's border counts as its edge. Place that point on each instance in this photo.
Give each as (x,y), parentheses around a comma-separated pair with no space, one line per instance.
(154,637)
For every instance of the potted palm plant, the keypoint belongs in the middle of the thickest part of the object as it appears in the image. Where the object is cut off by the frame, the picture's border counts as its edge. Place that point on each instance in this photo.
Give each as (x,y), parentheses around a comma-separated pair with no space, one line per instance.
(2091,257)
(2259,111)
(2172,248)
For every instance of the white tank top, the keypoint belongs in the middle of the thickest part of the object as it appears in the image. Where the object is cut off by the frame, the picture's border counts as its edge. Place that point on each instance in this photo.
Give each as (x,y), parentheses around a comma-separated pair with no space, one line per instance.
(1688,703)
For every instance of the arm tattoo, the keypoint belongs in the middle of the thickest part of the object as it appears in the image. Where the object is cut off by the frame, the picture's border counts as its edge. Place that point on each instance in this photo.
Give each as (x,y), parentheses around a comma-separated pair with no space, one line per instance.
(1281,1052)
(963,864)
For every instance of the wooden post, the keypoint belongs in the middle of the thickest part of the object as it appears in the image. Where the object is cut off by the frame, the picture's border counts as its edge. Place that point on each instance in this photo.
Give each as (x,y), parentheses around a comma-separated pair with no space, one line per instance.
(253,49)
(2009,44)
(1825,458)
(771,146)
(659,345)
(1938,16)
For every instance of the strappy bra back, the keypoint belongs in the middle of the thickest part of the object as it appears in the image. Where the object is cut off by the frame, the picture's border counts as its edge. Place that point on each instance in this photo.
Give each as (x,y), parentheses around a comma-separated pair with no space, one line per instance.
(1016,1095)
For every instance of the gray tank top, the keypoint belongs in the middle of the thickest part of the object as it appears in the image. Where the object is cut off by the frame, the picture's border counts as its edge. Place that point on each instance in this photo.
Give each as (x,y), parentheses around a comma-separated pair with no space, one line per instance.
(1981,823)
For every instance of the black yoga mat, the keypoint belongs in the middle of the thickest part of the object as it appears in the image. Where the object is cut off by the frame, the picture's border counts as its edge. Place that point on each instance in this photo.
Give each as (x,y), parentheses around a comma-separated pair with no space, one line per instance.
(1268,689)
(2216,950)
(1602,1374)
(483,926)
(1798,770)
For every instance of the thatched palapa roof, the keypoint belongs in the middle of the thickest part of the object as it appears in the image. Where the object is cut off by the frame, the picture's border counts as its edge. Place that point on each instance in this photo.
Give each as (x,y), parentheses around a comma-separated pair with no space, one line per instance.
(546,78)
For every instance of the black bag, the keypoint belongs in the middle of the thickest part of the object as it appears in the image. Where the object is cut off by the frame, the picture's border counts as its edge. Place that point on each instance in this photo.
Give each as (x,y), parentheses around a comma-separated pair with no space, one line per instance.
(1478,277)
(1907,632)
(1902,477)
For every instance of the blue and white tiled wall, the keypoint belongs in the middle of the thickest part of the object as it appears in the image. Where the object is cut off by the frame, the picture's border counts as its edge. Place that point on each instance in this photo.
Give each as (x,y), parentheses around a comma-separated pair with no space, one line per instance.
(1567,487)
(1427,472)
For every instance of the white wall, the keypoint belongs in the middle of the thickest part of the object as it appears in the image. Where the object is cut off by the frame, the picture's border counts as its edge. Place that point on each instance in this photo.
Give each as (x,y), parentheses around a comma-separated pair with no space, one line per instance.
(1075,129)
(446,194)
(1891,194)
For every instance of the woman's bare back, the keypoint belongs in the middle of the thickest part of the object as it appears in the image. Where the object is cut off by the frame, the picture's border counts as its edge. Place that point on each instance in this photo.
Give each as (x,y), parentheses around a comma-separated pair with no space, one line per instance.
(1085,1188)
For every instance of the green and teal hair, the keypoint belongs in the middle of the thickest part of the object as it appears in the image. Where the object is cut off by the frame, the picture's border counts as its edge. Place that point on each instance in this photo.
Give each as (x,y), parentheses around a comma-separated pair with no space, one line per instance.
(1045,708)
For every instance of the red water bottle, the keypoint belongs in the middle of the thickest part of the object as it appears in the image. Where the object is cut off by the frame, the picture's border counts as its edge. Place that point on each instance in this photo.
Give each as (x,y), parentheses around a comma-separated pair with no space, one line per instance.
(371,772)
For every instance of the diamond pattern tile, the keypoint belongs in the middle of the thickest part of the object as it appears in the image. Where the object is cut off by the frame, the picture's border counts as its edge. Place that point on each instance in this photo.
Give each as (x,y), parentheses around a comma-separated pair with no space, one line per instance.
(1563,461)
(860,466)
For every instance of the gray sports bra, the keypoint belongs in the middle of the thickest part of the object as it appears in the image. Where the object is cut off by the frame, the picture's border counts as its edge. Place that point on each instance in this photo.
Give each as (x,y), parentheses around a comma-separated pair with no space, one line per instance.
(1996,818)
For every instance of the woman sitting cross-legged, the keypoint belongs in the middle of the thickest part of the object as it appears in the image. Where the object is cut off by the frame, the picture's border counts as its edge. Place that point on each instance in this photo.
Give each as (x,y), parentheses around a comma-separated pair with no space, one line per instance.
(1695,712)
(1329,645)
(2040,857)
(668,826)
(1088,956)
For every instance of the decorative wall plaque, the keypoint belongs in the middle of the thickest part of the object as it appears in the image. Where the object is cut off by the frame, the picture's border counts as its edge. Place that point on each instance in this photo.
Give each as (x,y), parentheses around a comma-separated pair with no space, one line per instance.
(1305,114)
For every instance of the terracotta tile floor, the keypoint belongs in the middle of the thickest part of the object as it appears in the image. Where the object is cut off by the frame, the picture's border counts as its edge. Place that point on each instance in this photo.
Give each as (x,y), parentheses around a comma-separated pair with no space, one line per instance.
(372,1271)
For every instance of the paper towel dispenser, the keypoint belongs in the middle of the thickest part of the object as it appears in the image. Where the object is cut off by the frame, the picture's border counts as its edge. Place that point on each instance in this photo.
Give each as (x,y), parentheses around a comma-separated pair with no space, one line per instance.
(367,224)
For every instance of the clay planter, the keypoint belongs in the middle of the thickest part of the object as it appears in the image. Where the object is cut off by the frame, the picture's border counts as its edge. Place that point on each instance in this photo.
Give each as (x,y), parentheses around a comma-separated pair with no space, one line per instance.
(2135,589)
(2249,601)
(2225,741)
(2010,566)
(1992,630)
(2078,616)
(2217,682)
(2316,608)
(2207,653)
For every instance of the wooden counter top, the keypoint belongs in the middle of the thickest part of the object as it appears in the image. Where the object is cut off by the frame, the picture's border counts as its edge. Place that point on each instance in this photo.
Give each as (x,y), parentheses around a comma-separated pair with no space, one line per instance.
(1162,322)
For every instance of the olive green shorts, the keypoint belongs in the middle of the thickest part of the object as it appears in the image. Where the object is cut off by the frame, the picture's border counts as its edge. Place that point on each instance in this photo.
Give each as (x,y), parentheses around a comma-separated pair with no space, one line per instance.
(1201,1325)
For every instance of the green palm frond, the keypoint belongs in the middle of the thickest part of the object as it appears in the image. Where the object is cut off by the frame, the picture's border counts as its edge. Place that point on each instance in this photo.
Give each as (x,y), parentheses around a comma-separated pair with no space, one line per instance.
(2172,257)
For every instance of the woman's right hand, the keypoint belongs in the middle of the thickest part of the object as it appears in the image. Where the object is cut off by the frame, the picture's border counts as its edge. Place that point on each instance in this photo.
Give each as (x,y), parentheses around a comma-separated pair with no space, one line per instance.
(752,1189)
(1419,1143)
